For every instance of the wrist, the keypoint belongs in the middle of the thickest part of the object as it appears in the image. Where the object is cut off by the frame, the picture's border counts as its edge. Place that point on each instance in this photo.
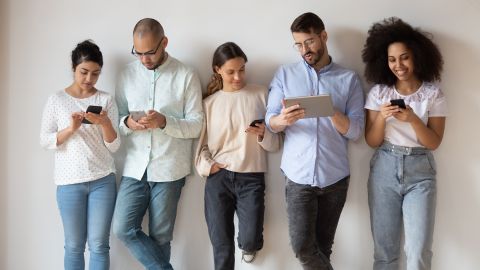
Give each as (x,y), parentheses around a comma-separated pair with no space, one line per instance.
(71,130)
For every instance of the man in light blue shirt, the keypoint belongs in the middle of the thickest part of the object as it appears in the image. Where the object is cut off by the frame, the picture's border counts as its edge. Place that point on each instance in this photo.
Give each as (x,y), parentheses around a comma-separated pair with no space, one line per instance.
(315,158)
(159,102)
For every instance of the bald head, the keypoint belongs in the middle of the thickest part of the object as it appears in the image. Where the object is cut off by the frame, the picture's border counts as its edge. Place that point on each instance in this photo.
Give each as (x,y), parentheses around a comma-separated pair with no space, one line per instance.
(148,26)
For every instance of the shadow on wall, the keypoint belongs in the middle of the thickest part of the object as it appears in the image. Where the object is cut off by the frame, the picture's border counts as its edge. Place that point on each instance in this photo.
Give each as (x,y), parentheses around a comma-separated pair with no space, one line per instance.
(457,158)
(345,45)
(4,78)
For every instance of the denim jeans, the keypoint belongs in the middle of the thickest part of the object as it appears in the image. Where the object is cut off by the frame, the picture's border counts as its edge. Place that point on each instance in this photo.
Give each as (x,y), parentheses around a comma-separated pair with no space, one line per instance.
(228,192)
(86,210)
(161,200)
(402,189)
(313,215)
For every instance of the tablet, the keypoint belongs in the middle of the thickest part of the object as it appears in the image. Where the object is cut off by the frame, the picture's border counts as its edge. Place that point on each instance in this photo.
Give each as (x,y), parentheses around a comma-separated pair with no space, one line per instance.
(315,106)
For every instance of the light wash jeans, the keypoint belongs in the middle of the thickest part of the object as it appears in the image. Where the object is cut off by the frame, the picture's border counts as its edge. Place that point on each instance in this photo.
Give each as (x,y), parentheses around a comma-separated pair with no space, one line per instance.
(402,189)
(86,210)
(161,199)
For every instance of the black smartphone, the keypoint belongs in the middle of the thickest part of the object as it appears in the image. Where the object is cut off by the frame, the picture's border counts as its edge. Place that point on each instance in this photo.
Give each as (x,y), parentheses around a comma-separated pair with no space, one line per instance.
(398,102)
(258,121)
(92,109)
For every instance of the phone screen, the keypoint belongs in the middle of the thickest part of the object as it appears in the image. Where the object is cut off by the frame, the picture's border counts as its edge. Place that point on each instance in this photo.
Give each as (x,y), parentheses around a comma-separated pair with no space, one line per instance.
(136,115)
(92,109)
(398,102)
(258,121)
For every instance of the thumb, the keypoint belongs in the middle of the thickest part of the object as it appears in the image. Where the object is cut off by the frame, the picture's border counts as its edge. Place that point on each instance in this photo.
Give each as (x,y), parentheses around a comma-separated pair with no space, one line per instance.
(283,103)
(220,165)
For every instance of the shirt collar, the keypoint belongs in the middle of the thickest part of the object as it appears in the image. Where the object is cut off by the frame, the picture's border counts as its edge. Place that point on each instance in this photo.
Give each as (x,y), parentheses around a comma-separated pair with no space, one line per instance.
(160,68)
(322,70)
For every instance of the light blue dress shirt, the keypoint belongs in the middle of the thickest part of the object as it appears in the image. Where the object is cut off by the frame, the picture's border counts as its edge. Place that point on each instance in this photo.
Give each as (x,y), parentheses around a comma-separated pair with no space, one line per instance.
(174,90)
(314,152)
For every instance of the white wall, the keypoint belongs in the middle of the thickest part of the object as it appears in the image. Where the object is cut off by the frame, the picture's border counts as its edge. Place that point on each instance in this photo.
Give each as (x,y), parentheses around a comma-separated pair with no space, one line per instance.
(37,37)
(3,136)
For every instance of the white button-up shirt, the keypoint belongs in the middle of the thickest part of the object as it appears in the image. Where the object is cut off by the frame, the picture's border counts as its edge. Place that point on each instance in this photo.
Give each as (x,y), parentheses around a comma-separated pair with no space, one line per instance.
(174,90)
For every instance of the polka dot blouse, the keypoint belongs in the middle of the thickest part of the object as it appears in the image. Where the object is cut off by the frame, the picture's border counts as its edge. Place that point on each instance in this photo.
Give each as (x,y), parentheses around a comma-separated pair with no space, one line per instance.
(85,156)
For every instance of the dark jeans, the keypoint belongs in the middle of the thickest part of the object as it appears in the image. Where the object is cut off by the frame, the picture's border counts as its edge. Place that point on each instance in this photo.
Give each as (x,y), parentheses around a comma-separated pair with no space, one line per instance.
(225,193)
(313,215)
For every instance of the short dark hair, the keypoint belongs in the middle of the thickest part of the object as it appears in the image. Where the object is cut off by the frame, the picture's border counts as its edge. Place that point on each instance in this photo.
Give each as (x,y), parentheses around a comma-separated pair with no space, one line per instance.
(307,23)
(86,51)
(148,26)
(222,54)
(427,59)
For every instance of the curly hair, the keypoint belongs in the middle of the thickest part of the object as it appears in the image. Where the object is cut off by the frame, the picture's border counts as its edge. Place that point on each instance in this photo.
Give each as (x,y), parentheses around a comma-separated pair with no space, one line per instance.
(428,61)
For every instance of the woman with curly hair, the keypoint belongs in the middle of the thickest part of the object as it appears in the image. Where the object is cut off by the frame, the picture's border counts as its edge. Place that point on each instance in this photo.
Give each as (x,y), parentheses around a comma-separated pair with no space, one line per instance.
(405,121)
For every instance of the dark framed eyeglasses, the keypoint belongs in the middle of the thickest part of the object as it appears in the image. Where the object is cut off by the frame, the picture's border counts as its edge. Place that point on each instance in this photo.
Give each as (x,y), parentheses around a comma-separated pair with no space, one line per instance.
(146,54)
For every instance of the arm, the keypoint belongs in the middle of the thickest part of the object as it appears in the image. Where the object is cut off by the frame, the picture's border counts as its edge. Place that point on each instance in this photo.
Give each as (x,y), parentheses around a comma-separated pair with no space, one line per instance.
(50,137)
(429,135)
(108,120)
(287,117)
(375,128)
(351,124)
(75,123)
(204,162)
(278,117)
(123,111)
(191,125)
(268,140)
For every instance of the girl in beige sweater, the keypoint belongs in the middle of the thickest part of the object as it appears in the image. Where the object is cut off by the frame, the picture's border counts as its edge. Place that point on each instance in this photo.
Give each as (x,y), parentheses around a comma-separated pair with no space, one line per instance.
(232,155)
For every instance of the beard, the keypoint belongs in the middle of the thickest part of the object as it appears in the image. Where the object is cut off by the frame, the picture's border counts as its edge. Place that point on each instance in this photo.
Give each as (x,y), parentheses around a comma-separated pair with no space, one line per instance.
(158,63)
(312,58)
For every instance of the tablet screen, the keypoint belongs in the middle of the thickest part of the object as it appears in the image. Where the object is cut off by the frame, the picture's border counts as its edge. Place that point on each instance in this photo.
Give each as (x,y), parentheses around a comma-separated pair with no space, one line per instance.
(315,106)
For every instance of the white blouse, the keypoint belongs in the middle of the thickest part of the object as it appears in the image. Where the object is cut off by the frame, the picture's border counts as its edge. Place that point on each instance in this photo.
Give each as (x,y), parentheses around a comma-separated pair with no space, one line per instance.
(85,156)
(427,101)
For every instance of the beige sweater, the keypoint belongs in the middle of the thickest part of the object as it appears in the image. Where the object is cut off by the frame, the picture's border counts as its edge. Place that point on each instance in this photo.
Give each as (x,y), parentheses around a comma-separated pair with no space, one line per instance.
(223,138)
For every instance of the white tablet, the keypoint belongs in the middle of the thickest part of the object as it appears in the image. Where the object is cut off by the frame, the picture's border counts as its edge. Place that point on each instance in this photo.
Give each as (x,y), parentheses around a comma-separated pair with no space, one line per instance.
(315,106)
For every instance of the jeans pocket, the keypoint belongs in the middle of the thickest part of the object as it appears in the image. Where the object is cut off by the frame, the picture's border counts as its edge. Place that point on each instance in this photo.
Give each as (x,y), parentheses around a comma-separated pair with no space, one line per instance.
(431,161)
(374,158)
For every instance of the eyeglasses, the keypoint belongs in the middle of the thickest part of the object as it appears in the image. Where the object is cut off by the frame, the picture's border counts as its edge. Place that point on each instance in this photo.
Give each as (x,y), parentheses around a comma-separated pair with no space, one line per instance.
(306,44)
(146,54)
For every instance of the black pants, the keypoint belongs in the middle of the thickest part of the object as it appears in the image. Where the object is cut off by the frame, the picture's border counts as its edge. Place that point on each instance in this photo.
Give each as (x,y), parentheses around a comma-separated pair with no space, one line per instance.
(313,215)
(228,192)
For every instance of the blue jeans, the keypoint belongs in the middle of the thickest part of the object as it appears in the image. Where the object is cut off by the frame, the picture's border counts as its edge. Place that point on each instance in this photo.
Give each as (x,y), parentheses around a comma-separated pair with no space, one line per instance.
(161,199)
(86,210)
(228,192)
(402,189)
(313,215)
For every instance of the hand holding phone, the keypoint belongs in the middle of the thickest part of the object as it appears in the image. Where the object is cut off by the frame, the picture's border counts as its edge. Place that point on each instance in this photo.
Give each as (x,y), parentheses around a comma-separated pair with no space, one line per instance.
(258,121)
(398,102)
(136,115)
(92,109)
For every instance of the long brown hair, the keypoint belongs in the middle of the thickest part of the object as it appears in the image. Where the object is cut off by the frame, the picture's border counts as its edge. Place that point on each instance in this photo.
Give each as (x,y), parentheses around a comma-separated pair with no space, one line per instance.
(222,54)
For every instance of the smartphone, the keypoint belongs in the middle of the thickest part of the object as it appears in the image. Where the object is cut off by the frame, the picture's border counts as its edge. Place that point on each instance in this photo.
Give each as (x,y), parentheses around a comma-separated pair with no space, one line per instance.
(92,109)
(398,102)
(258,121)
(136,115)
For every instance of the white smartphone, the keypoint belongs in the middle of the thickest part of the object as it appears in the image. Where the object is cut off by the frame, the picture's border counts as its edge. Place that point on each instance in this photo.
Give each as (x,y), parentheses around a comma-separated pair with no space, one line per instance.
(136,115)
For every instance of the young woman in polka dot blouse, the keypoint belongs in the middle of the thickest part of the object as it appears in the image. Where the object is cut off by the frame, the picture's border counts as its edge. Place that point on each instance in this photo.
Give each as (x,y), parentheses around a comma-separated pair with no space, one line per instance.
(84,166)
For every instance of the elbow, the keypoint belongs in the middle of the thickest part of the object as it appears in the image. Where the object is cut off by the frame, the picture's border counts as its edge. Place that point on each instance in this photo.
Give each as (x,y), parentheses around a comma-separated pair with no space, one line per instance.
(373,143)
(432,146)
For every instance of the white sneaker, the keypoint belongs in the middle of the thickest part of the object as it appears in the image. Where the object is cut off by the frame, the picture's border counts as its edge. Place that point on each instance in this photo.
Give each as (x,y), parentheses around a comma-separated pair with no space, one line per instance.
(248,256)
